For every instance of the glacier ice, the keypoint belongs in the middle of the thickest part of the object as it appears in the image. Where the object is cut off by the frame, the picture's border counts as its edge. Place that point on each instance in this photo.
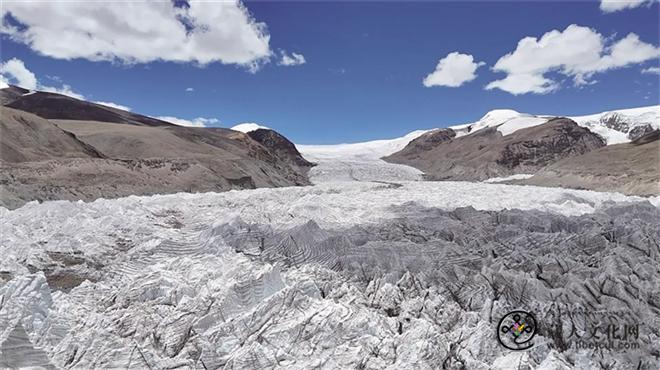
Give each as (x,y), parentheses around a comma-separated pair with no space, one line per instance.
(368,269)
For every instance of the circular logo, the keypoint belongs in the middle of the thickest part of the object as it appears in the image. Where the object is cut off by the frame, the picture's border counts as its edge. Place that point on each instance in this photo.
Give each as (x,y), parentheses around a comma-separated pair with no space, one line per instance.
(516,330)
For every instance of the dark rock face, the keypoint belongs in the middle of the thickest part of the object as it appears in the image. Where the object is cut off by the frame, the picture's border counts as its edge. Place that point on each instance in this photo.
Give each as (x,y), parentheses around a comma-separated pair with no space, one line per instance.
(486,153)
(649,137)
(639,131)
(11,93)
(280,146)
(564,139)
(631,168)
(56,106)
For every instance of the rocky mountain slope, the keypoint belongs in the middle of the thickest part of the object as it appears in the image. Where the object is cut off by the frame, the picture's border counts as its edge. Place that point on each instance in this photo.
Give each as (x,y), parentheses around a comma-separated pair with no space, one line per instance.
(487,153)
(505,143)
(88,151)
(629,168)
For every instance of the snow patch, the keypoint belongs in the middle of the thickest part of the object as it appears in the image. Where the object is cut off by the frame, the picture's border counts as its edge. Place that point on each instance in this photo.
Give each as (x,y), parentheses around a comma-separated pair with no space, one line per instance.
(518,123)
(248,127)
(520,176)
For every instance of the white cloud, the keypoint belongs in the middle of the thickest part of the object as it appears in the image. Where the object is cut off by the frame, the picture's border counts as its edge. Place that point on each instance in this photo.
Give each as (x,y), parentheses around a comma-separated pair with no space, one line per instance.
(577,52)
(453,71)
(140,31)
(15,70)
(114,105)
(294,59)
(196,122)
(190,89)
(609,6)
(652,70)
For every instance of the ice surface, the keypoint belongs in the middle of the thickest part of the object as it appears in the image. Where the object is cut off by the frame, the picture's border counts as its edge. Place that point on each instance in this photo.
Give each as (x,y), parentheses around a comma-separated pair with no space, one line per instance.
(364,151)
(367,269)
(338,275)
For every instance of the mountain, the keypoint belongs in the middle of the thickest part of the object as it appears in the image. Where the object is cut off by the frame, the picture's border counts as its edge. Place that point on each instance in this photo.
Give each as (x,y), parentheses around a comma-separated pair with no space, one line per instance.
(487,153)
(280,146)
(505,143)
(56,106)
(82,150)
(622,126)
(629,168)
(28,137)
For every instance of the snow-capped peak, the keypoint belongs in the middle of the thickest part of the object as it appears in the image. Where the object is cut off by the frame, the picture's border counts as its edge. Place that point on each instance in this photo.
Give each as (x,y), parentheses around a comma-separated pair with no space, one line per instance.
(500,114)
(493,118)
(623,125)
(3,84)
(249,127)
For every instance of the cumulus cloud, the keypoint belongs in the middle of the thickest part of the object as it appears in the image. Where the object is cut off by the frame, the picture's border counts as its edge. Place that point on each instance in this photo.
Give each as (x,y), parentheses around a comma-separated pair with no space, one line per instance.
(14,70)
(195,122)
(201,32)
(609,6)
(294,59)
(190,89)
(453,70)
(114,105)
(652,70)
(577,52)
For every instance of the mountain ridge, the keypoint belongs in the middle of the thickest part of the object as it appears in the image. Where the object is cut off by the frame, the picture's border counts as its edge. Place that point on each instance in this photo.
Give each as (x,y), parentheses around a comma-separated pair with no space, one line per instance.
(73,154)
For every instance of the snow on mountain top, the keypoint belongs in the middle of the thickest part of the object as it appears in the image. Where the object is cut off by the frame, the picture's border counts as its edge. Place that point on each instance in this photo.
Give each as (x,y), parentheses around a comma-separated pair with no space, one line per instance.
(514,124)
(369,150)
(3,84)
(248,127)
(491,119)
(615,125)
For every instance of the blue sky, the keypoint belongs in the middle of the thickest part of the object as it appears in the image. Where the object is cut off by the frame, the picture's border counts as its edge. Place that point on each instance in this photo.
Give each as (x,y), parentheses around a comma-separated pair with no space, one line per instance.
(364,67)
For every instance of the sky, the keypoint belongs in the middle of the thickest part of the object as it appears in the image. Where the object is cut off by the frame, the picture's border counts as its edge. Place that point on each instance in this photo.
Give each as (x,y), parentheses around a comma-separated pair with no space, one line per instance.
(332,72)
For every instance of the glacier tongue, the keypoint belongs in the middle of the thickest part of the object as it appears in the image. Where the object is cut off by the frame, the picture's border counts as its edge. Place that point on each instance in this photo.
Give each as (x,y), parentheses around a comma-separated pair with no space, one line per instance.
(367,269)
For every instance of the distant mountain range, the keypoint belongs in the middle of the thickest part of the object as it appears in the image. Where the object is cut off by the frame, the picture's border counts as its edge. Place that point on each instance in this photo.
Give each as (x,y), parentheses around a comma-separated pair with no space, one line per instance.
(608,151)
(56,147)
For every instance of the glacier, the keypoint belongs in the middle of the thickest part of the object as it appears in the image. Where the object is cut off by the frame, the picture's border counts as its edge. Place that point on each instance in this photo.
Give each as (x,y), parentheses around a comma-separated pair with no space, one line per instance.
(370,268)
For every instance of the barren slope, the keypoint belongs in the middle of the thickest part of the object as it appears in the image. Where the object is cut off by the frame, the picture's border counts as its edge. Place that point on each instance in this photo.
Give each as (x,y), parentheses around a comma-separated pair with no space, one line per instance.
(487,153)
(129,155)
(630,168)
